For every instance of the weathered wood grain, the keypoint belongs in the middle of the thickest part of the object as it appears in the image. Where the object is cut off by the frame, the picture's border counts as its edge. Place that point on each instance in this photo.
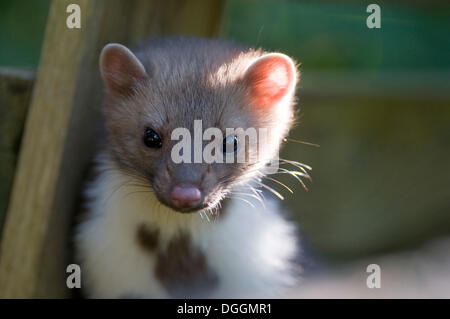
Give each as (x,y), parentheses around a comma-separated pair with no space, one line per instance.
(15,93)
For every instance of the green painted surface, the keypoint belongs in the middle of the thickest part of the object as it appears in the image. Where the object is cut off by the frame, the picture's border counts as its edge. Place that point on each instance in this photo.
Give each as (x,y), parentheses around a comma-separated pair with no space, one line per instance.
(22,26)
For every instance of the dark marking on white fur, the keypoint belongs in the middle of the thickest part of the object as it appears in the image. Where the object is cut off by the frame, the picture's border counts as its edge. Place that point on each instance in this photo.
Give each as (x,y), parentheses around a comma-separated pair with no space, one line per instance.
(147,237)
(183,269)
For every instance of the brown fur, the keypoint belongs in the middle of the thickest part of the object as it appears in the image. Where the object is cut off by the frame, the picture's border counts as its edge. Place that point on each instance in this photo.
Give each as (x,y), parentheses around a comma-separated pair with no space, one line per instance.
(147,238)
(183,267)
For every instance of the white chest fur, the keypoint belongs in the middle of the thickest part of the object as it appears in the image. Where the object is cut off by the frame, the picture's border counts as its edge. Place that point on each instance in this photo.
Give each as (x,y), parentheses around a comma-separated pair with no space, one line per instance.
(249,250)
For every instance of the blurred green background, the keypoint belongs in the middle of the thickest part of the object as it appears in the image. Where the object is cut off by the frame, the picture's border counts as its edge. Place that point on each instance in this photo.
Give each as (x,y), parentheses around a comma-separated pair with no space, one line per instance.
(377,101)
(22,26)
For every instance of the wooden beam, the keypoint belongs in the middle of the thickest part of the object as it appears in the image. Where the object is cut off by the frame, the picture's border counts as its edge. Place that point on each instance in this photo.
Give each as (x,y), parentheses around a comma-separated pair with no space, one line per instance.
(59,133)
(15,92)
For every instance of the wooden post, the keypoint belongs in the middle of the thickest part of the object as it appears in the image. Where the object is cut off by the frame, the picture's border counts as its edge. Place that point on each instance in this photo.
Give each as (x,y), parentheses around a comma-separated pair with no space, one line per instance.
(15,92)
(59,130)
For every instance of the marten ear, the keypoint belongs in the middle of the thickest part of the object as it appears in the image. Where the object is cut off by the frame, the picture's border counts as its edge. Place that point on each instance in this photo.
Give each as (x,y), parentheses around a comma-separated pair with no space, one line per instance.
(270,79)
(120,68)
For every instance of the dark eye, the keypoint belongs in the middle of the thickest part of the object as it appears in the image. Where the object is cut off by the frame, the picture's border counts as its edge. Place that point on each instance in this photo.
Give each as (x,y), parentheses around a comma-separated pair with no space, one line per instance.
(230,144)
(152,139)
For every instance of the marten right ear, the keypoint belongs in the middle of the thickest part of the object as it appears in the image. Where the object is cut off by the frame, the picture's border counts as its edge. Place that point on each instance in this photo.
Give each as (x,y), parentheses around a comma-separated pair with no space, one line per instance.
(120,69)
(270,79)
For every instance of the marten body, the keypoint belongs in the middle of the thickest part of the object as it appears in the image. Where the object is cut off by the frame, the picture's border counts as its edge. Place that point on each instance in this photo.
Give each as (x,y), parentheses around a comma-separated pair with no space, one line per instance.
(157,229)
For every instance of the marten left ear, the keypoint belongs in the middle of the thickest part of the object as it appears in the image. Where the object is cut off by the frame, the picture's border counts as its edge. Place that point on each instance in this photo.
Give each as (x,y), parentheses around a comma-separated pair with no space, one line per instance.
(120,68)
(270,79)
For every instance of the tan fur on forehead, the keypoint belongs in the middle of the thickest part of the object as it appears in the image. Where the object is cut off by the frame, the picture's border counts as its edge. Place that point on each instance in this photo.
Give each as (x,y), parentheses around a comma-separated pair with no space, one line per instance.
(172,60)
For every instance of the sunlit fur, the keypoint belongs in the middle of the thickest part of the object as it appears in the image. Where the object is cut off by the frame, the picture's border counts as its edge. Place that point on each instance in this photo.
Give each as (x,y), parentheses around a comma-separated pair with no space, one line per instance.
(169,83)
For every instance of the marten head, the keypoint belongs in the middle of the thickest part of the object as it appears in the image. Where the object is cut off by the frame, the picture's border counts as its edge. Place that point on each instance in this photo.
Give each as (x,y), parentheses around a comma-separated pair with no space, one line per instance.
(155,99)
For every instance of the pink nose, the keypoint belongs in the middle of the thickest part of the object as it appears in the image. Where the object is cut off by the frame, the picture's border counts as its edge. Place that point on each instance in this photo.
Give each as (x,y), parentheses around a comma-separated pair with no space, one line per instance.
(185,196)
